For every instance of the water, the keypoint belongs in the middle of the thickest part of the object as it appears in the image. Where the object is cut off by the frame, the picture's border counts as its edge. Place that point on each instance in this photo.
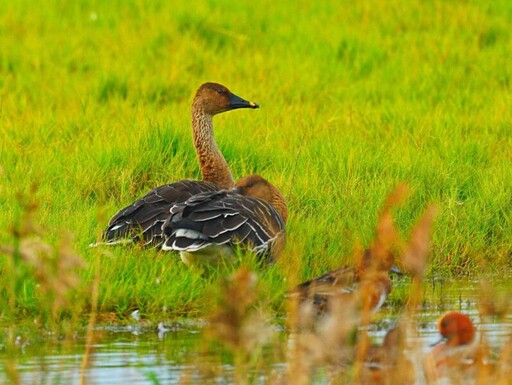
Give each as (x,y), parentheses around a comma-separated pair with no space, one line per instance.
(144,355)
(131,355)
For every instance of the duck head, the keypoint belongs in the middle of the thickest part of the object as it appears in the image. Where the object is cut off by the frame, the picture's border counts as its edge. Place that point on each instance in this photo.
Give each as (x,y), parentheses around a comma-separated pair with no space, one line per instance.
(456,329)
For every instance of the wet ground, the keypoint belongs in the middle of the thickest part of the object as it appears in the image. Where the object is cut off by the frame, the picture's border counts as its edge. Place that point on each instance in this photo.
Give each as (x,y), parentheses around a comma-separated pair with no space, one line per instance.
(136,354)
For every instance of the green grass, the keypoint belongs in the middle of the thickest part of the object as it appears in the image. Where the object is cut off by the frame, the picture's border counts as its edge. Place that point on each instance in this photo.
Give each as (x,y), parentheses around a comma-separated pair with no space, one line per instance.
(355,98)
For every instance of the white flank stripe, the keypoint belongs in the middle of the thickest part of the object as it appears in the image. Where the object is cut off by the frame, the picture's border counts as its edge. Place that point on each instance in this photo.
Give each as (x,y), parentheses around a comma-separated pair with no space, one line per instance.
(117,227)
(190,234)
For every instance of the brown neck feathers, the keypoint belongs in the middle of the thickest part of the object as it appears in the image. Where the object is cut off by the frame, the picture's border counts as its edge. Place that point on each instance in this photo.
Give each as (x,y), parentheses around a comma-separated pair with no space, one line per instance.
(280,204)
(214,167)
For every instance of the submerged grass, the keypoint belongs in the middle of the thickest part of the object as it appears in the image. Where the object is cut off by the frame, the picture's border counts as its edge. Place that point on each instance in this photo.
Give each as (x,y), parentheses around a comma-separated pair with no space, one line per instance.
(355,98)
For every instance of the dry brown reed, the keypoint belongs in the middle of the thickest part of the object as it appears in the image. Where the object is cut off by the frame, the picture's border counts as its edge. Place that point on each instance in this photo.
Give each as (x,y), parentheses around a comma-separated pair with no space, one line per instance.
(328,338)
(51,269)
(335,345)
(386,234)
(416,253)
(239,324)
(54,268)
(236,319)
(89,341)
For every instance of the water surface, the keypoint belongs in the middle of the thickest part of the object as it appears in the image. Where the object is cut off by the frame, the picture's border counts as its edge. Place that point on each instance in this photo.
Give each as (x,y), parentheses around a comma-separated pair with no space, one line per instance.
(137,354)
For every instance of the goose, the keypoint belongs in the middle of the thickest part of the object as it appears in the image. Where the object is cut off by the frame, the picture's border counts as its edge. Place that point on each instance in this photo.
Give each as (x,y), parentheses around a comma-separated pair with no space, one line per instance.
(210,226)
(141,222)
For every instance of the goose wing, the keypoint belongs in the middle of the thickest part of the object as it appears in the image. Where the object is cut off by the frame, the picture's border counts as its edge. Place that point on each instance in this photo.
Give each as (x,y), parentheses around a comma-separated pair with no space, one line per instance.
(224,217)
(142,221)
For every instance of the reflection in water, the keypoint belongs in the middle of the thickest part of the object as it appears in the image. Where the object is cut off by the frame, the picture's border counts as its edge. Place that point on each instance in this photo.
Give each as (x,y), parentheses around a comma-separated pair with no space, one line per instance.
(161,354)
(118,356)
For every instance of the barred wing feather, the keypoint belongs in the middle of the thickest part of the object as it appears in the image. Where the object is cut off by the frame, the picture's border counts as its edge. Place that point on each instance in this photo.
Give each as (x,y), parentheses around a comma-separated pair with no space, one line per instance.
(224,218)
(142,221)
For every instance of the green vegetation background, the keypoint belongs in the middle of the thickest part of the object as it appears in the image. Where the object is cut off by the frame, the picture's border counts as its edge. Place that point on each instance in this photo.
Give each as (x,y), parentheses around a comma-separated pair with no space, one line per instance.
(356,96)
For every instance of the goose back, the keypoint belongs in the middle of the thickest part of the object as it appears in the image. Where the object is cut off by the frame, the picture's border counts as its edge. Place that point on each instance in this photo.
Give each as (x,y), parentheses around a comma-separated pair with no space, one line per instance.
(141,222)
(225,218)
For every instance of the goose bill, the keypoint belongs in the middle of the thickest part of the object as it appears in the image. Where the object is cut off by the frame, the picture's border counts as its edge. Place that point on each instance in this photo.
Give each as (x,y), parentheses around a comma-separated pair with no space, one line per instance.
(237,102)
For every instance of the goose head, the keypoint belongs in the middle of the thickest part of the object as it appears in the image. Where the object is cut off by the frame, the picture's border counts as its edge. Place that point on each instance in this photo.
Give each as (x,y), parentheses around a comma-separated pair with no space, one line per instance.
(258,187)
(214,98)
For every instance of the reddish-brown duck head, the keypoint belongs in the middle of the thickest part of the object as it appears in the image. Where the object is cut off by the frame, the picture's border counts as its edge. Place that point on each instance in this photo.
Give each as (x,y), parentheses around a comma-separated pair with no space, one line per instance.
(456,329)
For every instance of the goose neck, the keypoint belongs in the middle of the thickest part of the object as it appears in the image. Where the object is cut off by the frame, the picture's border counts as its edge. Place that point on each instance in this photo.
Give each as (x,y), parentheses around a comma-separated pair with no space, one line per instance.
(279,203)
(214,167)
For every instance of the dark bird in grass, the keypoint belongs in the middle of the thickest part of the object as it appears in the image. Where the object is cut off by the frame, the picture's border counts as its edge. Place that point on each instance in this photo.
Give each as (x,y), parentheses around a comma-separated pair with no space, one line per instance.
(209,227)
(141,222)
